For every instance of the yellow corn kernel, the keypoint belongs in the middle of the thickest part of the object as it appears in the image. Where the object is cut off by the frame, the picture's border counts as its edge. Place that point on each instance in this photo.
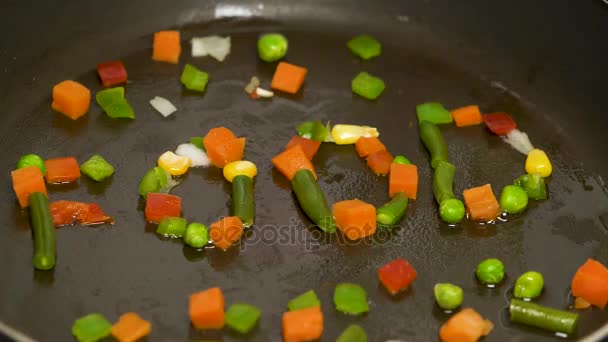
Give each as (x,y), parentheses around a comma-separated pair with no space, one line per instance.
(174,164)
(349,134)
(238,168)
(538,162)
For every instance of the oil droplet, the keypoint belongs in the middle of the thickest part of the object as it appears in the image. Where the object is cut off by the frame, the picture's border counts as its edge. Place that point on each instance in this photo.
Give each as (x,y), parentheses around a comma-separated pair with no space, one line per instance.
(491,286)
(561,334)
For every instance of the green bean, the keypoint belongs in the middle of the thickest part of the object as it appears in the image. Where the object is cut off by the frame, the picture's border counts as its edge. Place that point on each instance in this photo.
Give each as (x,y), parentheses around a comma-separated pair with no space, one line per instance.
(312,200)
(401,160)
(196,235)
(272,47)
(392,211)
(534,184)
(443,177)
(243,199)
(542,317)
(490,271)
(172,227)
(448,296)
(433,140)
(43,232)
(513,199)
(529,285)
(32,160)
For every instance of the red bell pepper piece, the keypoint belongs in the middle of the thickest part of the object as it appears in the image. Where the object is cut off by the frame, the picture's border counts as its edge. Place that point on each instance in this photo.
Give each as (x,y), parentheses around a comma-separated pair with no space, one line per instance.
(112,73)
(397,275)
(70,212)
(159,206)
(499,123)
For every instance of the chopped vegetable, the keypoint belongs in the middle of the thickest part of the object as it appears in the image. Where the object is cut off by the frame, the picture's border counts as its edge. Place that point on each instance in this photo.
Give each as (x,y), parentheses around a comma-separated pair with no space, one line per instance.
(519,141)
(71,99)
(367,86)
(240,168)
(197,235)
(198,142)
(43,232)
(391,212)
(397,275)
(288,78)
(263,93)
(92,327)
(114,104)
(194,79)
(70,212)
(243,200)
(533,184)
(252,85)
(226,231)
(443,178)
(538,162)
(223,146)
(163,106)
(465,326)
(159,206)
(350,299)
(529,285)
(467,116)
(155,180)
(97,168)
(242,317)
(380,162)
(112,73)
(174,227)
(490,271)
(355,218)
(130,328)
(434,143)
(513,199)
(481,203)
(434,113)
(314,130)
(365,46)
(27,181)
(272,47)
(61,170)
(166,47)
(448,296)
(290,161)
(31,160)
(401,160)
(349,134)
(366,146)
(303,325)
(312,201)
(353,333)
(542,317)
(174,164)
(197,156)
(306,300)
(403,178)
(214,46)
(207,309)
(580,303)
(499,123)
(590,282)
(309,146)
(451,210)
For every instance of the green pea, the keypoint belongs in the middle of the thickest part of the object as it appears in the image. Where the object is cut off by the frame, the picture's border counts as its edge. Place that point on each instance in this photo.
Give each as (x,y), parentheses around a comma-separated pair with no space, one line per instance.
(448,296)
(451,210)
(32,160)
(197,235)
(155,180)
(529,285)
(401,160)
(490,271)
(272,47)
(513,199)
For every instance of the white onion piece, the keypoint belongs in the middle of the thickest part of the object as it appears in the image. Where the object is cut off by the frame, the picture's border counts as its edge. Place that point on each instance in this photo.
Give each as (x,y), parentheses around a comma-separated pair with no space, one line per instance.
(215,46)
(163,106)
(263,92)
(196,155)
(519,140)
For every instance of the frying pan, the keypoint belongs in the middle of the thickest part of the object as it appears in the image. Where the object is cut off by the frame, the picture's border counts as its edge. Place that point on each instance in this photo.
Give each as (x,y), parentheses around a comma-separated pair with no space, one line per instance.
(541,61)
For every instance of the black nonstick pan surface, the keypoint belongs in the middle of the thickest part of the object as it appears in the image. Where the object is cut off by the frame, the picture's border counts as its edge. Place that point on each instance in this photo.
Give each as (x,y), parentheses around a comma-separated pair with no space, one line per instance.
(543,62)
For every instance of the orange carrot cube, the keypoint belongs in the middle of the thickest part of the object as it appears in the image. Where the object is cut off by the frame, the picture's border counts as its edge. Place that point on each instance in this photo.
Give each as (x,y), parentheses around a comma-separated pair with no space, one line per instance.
(290,161)
(62,170)
(226,231)
(590,282)
(367,146)
(223,146)
(355,218)
(309,146)
(288,77)
(26,181)
(467,116)
(403,178)
(303,325)
(481,203)
(166,46)
(130,328)
(207,309)
(71,99)
(465,326)
(380,162)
